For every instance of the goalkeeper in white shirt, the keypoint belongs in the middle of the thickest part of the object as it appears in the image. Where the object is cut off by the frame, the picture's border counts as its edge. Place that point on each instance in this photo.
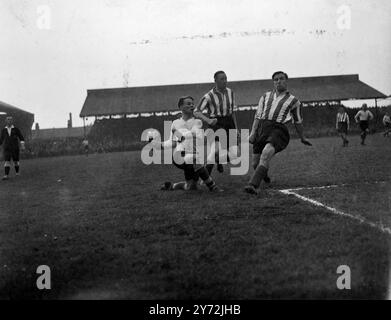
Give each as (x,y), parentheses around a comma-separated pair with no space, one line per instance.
(183,137)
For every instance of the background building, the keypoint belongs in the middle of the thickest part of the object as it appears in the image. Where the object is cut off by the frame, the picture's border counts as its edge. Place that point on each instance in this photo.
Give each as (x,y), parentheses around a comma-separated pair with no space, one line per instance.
(22,119)
(124,113)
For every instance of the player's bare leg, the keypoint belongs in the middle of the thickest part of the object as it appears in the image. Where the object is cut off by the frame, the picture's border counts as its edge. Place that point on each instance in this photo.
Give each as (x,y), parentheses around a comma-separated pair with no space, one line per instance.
(255,161)
(16,166)
(207,179)
(213,158)
(182,185)
(363,136)
(185,185)
(344,140)
(261,169)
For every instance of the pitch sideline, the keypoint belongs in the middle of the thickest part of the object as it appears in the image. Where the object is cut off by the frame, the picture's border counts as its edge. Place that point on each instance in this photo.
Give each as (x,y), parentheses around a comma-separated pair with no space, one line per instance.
(378,226)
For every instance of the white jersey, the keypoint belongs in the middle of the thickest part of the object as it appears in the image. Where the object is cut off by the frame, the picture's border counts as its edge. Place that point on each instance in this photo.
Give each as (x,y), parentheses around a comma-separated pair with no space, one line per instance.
(191,131)
(386,120)
(364,115)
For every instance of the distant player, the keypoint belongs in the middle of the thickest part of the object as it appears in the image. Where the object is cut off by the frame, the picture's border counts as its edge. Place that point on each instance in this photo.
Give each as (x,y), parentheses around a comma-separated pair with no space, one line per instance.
(187,127)
(11,137)
(363,117)
(342,125)
(219,103)
(85,146)
(387,124)
(269,134)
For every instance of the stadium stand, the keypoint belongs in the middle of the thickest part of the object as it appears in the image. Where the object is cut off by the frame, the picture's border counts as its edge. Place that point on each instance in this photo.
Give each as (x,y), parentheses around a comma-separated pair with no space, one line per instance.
(58,133)
(153,99)
(23,119)
(148,107)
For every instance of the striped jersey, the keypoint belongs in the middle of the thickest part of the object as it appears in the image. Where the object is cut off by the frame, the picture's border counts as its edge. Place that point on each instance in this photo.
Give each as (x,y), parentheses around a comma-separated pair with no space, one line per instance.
(364,115)
(342,117)
(218,104)
(281,108)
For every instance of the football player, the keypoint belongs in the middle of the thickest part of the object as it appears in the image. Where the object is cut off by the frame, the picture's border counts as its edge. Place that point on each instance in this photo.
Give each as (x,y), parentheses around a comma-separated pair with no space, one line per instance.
(269,134)
(183,135)
(11,137)
(363,117)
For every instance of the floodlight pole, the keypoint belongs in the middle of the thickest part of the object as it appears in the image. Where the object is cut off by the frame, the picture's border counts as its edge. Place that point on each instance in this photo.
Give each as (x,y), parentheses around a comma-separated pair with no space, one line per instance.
(84,126)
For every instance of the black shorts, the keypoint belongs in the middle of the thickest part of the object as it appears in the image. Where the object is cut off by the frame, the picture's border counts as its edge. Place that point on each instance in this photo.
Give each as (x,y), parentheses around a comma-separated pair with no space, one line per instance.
(11,154)
(364,125)
(271,132)
(189,171)
(342,127)
(227,123)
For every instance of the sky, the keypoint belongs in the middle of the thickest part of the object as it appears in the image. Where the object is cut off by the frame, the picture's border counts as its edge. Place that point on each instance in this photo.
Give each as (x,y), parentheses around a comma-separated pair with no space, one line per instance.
(52,51)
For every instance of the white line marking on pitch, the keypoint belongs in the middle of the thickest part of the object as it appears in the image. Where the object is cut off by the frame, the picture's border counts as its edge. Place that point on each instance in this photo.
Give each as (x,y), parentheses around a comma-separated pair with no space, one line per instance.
(378,226)
(333,186)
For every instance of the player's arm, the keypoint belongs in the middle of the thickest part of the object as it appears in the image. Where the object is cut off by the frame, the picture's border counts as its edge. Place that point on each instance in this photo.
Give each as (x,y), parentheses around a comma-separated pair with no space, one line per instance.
(252,137)
(170,143)
(348,121)
(257,118)
(204,103)
(167,144)
(298,121)
(2,137)
(21,138)
(235,120)
(235,109)
(356,116)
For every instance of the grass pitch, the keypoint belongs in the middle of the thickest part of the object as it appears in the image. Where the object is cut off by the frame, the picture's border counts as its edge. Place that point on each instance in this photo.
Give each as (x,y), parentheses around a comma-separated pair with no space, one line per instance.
(106,231)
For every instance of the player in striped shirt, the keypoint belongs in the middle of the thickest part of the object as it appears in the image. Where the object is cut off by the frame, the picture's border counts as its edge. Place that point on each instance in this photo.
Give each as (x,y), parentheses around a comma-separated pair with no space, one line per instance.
(387,124)
(363,117)
(184,130)
(219,106)
(269,135)
(342,124)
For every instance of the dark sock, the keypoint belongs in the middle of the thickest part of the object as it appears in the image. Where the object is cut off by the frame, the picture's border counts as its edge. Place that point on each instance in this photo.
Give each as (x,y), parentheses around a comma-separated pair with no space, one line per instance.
(7,170)
(259,174)
(17,169)
(204,175)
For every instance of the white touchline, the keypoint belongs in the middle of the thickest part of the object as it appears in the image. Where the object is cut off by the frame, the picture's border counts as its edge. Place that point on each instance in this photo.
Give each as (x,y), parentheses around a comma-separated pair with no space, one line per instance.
(334,186)
(378,226)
